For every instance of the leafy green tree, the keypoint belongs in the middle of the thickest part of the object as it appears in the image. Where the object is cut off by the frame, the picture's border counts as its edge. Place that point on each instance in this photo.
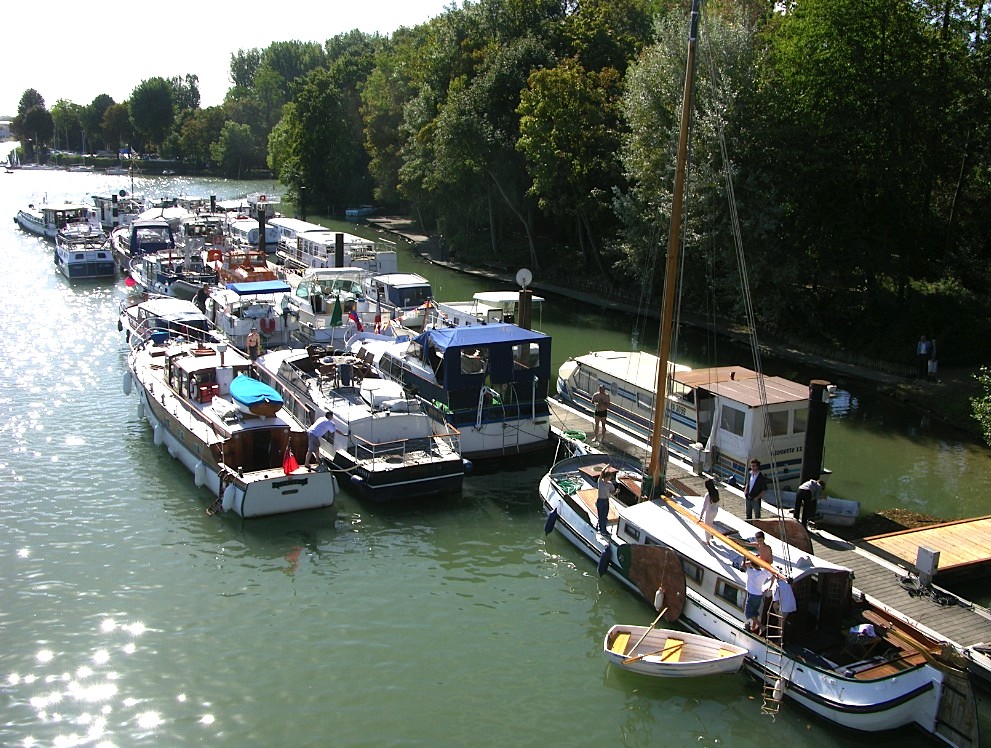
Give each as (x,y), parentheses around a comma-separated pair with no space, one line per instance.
(152,110)
(570,135)
(244,65)
(116,126)
(235,151)
(19,126)
(199,129)
(91,118)
(186,92)
(981,404)
(67,119)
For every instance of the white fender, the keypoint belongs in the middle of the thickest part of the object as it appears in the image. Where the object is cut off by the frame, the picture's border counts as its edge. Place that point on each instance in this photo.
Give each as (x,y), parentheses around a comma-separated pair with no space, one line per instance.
(199,474)
(159,435)
(126,384)
(779,689)
(228,500)
(141,408)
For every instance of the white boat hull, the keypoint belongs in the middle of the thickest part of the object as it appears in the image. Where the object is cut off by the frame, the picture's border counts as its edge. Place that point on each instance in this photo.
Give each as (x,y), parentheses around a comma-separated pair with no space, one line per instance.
(666,653)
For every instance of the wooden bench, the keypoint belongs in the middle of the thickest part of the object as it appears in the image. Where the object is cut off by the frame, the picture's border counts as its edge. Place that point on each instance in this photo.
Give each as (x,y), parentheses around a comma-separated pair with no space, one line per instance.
(620,643)
(672,650)
(588,496)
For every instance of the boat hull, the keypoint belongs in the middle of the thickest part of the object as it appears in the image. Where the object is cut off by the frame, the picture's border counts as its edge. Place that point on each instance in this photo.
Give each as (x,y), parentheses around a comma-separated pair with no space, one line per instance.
(402,483)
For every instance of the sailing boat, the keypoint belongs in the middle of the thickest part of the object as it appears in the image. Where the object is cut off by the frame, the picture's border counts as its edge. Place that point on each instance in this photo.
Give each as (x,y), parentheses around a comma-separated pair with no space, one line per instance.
(831,655)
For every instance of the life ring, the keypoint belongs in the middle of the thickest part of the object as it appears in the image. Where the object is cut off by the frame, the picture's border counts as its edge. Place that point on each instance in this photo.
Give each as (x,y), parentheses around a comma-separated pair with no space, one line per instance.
(214,255)
(262,198)
(192,388)
(267,325)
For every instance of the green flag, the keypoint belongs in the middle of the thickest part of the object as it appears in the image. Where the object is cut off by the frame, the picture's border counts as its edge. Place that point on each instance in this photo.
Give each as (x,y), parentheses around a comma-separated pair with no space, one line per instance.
(335,316)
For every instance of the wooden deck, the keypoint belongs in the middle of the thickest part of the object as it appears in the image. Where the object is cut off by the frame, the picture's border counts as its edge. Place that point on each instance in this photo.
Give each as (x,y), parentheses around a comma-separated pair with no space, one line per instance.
(964,545)
(878,577)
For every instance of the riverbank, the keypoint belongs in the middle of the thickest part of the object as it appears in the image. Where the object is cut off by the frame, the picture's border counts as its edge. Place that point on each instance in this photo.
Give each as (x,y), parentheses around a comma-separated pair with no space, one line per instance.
(947,400)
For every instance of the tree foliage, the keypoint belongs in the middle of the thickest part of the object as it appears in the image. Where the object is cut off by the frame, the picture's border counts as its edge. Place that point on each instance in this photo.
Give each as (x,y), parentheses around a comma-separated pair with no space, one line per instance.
(152,110)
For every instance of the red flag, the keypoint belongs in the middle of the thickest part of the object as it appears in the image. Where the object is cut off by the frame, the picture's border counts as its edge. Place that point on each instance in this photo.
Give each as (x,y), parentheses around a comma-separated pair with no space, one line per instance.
(289,464)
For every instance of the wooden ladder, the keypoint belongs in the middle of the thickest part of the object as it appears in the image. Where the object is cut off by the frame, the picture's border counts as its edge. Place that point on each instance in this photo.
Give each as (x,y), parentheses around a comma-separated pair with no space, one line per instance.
(773,688)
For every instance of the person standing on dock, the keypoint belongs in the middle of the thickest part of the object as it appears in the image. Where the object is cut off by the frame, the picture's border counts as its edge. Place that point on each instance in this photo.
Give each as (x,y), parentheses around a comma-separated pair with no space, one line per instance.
(600,403)
(806,500)
(754,493)
(923,352)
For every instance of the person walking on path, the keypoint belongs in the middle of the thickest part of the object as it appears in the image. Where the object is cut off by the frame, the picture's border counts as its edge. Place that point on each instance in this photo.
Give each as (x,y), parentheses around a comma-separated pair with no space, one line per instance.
(600,403)
(709,506)
(806,500)
(754,493)
(923,352)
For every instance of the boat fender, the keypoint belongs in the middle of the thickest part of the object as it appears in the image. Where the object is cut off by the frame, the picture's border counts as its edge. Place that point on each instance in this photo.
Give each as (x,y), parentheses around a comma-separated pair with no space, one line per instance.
(127,336)
(126,383)
(357,480)
(228,497)
(199,474)
(468,466)
(779,689)
(172,452)
(604,559)
(141,409)
(120,326)
(159,435)
(551,521)
(659,599)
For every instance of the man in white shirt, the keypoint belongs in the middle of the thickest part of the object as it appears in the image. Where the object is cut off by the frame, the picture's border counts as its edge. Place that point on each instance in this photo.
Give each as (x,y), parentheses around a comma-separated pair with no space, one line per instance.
(321,427)
(806,500)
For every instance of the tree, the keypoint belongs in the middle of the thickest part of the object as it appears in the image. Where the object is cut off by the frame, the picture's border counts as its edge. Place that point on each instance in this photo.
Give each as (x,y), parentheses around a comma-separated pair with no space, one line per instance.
(244,65)
(199,129)
(91,118)
(235,150)
(152,110)
(116,126)
(981,405)
(19,126)
(67,119)
(186,92)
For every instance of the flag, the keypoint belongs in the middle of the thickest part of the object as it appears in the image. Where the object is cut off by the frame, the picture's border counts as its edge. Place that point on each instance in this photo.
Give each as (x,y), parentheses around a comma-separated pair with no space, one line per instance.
(289,464)
(335,316)
(353,316)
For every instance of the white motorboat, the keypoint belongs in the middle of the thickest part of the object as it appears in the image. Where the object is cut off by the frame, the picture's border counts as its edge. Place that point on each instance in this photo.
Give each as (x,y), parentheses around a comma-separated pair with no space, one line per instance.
(237,308)
(406,296)
(82,252)
(143,312)
(47,219)
(384,445)
(247,462)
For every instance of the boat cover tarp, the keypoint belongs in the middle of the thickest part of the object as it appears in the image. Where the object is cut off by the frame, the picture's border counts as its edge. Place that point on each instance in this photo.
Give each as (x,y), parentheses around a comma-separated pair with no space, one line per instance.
(248,391)
(477,335)
(259,287)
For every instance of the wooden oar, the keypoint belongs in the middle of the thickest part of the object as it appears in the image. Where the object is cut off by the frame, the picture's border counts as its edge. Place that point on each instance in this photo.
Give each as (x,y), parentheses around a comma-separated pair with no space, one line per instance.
(660,651)
(649,628)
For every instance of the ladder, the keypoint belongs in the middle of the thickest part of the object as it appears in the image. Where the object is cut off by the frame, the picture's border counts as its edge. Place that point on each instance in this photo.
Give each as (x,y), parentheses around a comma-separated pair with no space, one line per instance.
(774,684)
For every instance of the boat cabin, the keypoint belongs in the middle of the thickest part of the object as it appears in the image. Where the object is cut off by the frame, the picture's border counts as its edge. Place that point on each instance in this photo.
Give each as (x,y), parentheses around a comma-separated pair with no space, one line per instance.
(484,308)
(150,235)
(244,232)
(290,229)
(403,291)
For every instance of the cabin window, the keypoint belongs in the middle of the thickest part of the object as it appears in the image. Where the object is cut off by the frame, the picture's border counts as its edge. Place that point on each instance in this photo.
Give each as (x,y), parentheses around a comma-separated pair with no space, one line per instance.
(473,361)
(645,401)
(632,531)
(777,422)
(732,420)
(730,593)
(801,420)
(526,355)
(692,570)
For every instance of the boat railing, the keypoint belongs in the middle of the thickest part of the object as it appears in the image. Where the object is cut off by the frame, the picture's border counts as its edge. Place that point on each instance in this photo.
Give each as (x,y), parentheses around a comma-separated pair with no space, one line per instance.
(157,331)
(398,451)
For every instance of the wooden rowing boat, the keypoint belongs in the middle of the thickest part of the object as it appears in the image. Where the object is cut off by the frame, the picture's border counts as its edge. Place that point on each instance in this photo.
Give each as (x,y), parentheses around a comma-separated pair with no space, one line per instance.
(667,653)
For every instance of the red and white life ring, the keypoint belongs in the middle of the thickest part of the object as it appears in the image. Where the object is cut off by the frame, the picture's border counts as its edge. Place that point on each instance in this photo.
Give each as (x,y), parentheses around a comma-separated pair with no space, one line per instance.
(268,325)
(262,198)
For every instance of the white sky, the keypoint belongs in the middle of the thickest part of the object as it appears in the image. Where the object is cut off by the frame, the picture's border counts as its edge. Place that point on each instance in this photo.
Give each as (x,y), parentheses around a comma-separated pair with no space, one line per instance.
(77,50)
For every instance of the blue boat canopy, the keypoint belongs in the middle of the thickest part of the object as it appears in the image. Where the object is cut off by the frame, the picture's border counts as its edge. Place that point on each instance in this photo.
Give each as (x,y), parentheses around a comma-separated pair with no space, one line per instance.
(477,335)
(259,287)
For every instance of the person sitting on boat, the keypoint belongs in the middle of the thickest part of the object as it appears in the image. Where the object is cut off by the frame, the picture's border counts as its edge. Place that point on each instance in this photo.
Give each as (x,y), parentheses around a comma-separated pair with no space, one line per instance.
(806,499)
(756,486)
(600,403)
(253,343)
(709,506)
(321,427)
(606,489)
(200,298)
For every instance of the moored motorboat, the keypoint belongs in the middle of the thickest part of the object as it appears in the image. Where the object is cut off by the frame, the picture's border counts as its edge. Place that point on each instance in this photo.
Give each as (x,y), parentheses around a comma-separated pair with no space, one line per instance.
(143,313)
(82,252)
(47,219)
(238,308)
(488,381)
(248,462)
(668,653)
(385,447)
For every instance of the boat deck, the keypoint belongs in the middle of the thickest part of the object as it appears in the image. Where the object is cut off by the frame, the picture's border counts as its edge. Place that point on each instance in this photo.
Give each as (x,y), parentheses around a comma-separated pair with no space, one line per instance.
(880,578)
(964,545)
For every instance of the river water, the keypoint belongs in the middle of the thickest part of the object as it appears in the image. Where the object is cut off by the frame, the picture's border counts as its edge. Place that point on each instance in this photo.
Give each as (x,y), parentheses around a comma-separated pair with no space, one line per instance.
(130,617)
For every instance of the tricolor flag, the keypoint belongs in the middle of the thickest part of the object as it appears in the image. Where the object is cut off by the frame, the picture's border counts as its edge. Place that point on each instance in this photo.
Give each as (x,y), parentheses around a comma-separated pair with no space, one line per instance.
(353,316)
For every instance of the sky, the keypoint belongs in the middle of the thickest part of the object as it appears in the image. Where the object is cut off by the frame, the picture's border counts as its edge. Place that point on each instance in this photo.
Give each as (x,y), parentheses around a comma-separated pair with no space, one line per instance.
(77,51)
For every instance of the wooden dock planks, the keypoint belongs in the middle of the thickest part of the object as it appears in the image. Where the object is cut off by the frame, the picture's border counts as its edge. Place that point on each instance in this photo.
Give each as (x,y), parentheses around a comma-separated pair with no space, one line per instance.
(961,544)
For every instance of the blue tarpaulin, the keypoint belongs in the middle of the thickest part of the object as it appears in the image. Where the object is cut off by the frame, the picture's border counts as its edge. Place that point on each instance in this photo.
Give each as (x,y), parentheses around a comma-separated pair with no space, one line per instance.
(259,287)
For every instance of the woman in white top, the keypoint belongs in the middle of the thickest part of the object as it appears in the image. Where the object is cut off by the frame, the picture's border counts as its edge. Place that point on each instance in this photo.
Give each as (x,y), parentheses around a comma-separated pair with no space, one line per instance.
(709,506)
